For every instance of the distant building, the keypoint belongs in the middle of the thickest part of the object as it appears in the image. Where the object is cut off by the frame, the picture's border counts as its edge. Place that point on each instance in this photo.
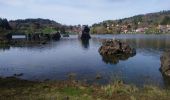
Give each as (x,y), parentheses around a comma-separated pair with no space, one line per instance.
(168,28)
(140,30)
(125,31)
(164,28)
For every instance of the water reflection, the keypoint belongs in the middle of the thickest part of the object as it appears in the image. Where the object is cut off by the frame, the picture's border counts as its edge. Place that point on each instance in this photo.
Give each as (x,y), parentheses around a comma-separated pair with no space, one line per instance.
(149,44)
(55,59)
(85,43)
(4,47)
(114,59)
(25,44)
(140,41)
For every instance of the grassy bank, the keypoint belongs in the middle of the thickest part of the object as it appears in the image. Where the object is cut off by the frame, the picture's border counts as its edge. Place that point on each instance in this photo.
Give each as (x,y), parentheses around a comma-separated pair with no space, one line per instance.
(15,89)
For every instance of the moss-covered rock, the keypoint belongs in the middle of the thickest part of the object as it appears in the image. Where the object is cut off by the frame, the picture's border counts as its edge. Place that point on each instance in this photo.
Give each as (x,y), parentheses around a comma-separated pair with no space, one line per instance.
(165,63)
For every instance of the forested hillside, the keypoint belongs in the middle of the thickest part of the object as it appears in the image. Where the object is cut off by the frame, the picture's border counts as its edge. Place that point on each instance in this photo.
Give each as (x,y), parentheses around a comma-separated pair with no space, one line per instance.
(146,23)
(4,25)
(35,25)
(32,26)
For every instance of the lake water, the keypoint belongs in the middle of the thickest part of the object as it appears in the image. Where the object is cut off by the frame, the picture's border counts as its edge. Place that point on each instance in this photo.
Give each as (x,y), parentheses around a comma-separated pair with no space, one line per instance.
(57,59)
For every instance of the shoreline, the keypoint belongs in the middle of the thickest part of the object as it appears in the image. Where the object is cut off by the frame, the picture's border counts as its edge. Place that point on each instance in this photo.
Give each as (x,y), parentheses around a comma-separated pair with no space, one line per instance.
(16,89)
(130,33)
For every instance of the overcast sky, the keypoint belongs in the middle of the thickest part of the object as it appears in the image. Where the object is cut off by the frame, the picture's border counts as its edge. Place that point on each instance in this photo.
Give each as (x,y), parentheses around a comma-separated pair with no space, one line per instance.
(73,12)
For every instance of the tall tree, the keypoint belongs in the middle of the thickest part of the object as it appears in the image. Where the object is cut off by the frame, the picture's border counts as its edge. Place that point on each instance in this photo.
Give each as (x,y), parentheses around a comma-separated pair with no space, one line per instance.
(166,20)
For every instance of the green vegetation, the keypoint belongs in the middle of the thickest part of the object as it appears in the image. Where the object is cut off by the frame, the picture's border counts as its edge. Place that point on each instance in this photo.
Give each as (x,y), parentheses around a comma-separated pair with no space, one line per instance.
(4,26)
(48,30)
(31,26)
(35,26)
(148,23)
(15,89)
(166,20)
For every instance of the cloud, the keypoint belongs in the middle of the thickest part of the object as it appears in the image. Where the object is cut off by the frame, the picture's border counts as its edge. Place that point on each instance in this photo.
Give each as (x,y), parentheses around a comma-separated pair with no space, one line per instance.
(79,11)
(12,2)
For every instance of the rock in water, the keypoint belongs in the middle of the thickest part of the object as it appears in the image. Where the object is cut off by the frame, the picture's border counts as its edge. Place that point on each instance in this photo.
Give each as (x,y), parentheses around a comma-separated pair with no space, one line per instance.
(165,63)
(114,50)
(115,47)
(56,36)
(85,33)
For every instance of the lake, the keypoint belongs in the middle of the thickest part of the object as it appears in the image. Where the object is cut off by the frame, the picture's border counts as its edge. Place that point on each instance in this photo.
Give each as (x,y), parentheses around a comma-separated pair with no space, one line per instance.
(56,60)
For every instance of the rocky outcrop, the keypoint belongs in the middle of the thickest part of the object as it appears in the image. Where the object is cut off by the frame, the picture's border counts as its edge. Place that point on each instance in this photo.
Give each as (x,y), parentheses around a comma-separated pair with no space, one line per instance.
(36,36)
(115,47)
(114,50)
(85,33)
(165,63)
(56,36)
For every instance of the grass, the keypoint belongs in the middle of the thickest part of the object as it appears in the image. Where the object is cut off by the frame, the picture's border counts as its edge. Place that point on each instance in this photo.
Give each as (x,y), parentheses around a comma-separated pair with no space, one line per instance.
(48,30)
(15,89)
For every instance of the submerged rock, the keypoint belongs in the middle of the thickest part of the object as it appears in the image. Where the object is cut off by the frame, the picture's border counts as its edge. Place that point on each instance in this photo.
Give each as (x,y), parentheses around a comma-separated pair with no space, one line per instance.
(114,50)
(85,33)
(165,63)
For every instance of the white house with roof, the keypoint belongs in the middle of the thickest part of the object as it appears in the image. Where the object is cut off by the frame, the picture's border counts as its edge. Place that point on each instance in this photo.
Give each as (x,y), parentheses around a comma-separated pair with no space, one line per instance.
(164,28)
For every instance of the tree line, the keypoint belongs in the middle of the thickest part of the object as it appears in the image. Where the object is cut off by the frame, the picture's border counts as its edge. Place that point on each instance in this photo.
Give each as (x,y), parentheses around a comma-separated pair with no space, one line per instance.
(32,26)
(149,22)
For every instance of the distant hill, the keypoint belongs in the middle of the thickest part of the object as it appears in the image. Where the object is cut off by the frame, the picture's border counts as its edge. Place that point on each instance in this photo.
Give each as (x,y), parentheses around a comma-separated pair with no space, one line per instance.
(148,22)
(32,26)
(35,25)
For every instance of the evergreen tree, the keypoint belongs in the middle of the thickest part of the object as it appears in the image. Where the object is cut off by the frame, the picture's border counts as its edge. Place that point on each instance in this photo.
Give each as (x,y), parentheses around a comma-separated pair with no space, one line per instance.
(166,20)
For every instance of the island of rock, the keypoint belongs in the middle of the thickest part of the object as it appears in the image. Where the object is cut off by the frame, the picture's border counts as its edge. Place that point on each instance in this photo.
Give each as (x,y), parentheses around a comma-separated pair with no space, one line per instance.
(85,35)
(114,50)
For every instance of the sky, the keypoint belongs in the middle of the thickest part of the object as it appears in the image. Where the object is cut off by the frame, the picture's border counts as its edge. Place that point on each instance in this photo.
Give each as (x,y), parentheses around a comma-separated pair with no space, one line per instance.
(73,12)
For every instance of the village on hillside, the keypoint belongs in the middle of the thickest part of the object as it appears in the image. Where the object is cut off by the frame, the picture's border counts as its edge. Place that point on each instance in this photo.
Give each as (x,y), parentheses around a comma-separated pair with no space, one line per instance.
(127,29)
(151,23)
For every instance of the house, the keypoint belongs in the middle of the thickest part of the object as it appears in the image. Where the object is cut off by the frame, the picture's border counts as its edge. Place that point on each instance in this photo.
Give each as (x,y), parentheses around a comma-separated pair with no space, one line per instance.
(140,30)
(164,28)
(168,28)
(125,31)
